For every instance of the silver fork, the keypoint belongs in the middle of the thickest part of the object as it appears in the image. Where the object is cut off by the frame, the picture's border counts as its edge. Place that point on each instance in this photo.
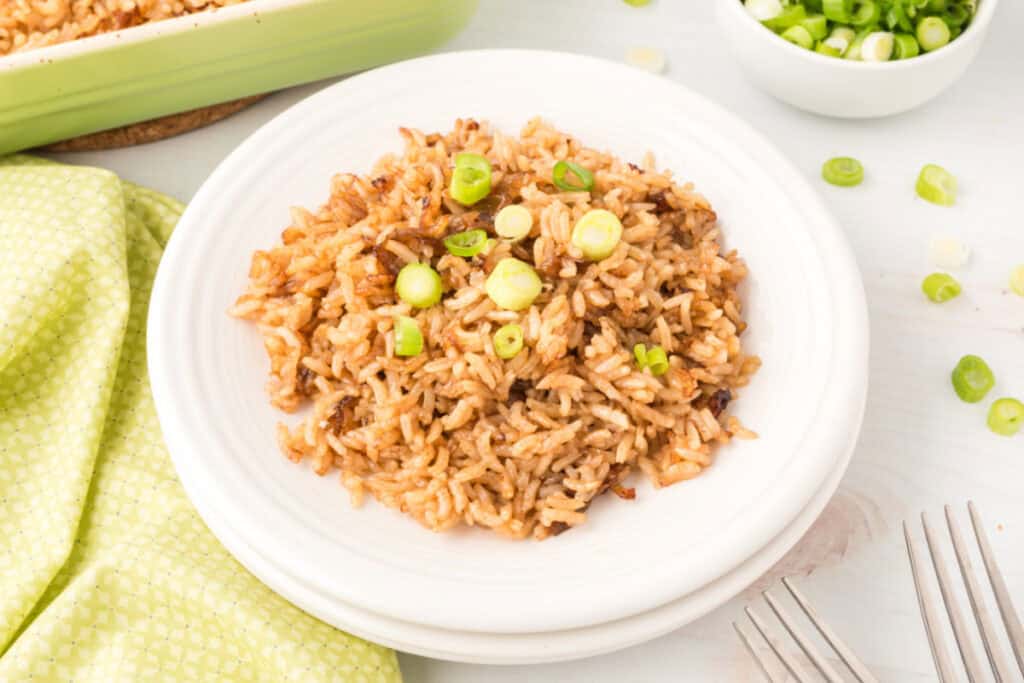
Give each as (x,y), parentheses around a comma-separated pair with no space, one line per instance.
(1000,665)
(793,666)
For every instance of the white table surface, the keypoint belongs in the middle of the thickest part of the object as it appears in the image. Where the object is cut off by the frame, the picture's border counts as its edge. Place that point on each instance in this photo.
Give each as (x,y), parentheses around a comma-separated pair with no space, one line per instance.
(920,446)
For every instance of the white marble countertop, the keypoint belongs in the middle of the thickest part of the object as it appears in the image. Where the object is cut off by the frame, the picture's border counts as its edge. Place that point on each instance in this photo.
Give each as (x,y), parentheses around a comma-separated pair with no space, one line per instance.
(920,446)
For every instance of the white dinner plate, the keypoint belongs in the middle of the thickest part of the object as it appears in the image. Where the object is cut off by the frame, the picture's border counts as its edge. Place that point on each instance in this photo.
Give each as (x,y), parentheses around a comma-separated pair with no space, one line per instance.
(804,304)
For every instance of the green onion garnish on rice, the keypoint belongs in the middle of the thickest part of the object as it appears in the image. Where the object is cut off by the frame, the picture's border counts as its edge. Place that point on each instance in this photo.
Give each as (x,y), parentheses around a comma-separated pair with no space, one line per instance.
(466,244)
(471,179)
(508,341)
(418,285)
(513,222)
(408,338)
(513,285)
(597,233)
(583,182)
(657,361)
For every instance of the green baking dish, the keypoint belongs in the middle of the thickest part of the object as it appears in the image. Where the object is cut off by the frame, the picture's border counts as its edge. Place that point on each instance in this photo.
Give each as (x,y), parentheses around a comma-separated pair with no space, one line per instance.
(135,74)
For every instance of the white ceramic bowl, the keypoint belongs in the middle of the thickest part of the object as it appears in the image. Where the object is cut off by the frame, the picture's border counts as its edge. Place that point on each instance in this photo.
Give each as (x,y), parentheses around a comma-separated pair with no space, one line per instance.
(804,304)
(845,88)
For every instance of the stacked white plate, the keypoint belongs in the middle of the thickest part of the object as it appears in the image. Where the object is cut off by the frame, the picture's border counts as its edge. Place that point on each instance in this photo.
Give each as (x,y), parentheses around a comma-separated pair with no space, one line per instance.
(637,569)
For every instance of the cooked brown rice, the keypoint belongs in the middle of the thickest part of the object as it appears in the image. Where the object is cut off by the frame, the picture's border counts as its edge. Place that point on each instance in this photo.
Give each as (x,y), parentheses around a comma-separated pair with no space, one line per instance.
(455,434)
(28,24)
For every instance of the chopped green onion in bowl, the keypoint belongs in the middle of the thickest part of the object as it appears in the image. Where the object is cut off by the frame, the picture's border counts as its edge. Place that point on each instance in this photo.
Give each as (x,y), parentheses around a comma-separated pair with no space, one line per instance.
(466,244)
(508,341)
(1006,416)
(584,179)
(1017,280)
(513,285)
(471,179)
(419,285)
(763,9)
(798,35)
(936,185)
(842,171)
(932,33)
(408,338)
(877,46)
(513,222)
(940,287)
(597,233)
(972,379)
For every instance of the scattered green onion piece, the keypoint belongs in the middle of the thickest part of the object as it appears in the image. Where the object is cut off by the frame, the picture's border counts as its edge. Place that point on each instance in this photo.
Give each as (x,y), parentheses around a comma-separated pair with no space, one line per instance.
(408,338)
(940,287)
(867,13)
(513,285)
(905,46)
(466,244)
(937,185)
(1006,416)
(790,16)
(838,10)
(825,49)
(585,177)
(843,171)
(471,179)
(956,16)
(972,379)
(1017,280)
(816,25)
(932,33)
(877,47)
(513,222)
(640,353)
(508,341)
(763,9)
(799,36)
(597,233)
(418,285)
(657,361)
(637,3)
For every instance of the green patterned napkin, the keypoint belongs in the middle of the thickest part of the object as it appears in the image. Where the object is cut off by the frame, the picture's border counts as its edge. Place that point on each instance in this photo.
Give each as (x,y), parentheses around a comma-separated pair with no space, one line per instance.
(106,571)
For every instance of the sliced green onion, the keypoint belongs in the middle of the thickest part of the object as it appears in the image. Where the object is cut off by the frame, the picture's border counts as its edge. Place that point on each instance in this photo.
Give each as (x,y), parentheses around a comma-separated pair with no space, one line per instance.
(853,52)
(799,36)
(513,285)
(824,48)
(877,47)
(972,379)
(937,185)
(867,13)
(640,353)
(597,233)
(1006,416)
(513,222)
(937,5)
(896,17)
(932,33)
(637,3)
(940,287)
(842,171)
(763,9)
(813,5)
(471,179)
(956,16)
(466,244)
(408,338)
(954,32)
(790,16)
(508,341)
(657,361)
(562,169)
(844,33)
(418,285)
(1017,280)
(838,10)
(905,46)
(816,25)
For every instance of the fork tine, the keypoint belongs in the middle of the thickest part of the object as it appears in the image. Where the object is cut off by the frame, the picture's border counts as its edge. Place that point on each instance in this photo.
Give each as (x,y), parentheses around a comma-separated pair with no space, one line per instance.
(845,653)
(929,615)
(756,654)
(995,577)
(989,635)
(960,633)
(798,672)
(823,666)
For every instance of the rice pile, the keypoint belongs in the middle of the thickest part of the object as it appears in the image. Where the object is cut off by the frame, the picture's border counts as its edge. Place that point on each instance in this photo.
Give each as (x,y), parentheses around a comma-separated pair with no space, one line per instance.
(455,434)
(28,24)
